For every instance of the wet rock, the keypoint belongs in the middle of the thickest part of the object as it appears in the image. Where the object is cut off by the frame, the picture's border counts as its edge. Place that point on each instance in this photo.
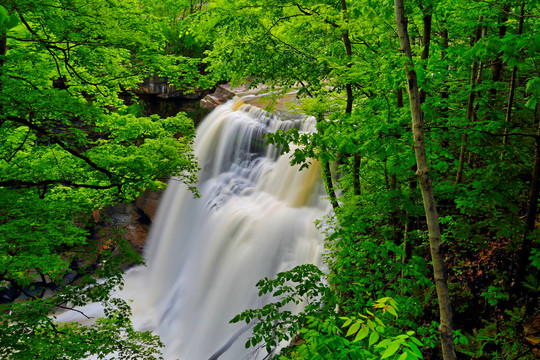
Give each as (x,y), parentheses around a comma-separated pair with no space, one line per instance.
(8,294)
(160,87)
(148,203)
(130,222)
(221,95)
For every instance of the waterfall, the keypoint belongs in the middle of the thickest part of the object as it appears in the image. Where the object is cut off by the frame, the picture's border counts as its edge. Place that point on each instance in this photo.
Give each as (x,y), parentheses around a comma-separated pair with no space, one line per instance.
(255,218)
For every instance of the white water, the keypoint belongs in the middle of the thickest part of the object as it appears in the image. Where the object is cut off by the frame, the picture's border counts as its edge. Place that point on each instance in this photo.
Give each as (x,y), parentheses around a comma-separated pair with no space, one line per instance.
(204,256)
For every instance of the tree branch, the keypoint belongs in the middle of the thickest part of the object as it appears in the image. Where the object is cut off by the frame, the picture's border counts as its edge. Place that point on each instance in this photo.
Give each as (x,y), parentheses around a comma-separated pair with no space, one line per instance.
(55,140)
(507,12)
(72,309)
(18,148)
(19,184)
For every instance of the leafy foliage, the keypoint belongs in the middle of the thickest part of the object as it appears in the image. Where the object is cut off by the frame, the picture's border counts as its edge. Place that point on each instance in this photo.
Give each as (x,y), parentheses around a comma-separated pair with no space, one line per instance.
(70,147)
(477,68)
(317,332)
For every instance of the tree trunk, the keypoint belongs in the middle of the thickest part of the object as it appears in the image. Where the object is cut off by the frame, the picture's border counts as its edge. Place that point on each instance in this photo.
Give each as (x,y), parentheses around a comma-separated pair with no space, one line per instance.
(397,234)
(426,40)
(508,118)
(3,48)
(348,50)
(399,98)
(426,188)
(497,64)
(470,105)
(444,94)
(411,220)
(350,102)
(329,184)
(530,222)
(356,175)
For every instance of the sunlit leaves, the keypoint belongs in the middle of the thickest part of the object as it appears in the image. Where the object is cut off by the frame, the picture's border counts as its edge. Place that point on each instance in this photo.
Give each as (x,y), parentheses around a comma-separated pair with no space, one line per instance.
(465,82)
(69,148)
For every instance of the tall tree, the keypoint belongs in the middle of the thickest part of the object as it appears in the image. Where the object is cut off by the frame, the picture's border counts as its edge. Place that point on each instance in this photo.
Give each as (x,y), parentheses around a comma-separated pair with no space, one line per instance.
(424,179)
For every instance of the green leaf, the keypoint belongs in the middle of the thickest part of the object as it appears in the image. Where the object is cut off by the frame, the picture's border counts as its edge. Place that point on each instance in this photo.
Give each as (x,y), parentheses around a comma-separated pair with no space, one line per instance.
(362,333)
(415,350)
(373,338)
(391,350)
(417,342)
(353,329)
(347,323)
(392,311)
(403,356)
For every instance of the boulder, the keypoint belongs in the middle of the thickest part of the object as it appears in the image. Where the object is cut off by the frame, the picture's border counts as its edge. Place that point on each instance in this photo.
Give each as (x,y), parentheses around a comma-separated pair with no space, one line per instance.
(221,95)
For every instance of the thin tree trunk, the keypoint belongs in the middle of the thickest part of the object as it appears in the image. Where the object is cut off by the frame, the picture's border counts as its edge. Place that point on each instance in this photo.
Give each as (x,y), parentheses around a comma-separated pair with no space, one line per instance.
(530,222)
(350,102)
(478,80)
(473,158)
(444,94)
(426,41)
(407,248)
(397,234)
(329,184)
(508,118)
(470,106)
(411,220)
(350,99)
(348,50)
(426,188)
(444,41)
(356,174)
(497,64)
(443,110)
(327,176)
(327,173)
(413,184)
(426,38)
(3,48)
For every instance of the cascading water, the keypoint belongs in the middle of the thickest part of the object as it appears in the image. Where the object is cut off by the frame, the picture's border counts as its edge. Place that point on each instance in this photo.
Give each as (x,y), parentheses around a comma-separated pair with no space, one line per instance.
(254,219)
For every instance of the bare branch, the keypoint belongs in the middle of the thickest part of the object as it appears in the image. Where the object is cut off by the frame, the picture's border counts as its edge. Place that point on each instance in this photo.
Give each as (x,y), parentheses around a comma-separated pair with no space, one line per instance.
(72,309)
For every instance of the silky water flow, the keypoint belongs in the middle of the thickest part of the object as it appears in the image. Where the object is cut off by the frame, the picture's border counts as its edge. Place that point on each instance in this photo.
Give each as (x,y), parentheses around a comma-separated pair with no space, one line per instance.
(255,218)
